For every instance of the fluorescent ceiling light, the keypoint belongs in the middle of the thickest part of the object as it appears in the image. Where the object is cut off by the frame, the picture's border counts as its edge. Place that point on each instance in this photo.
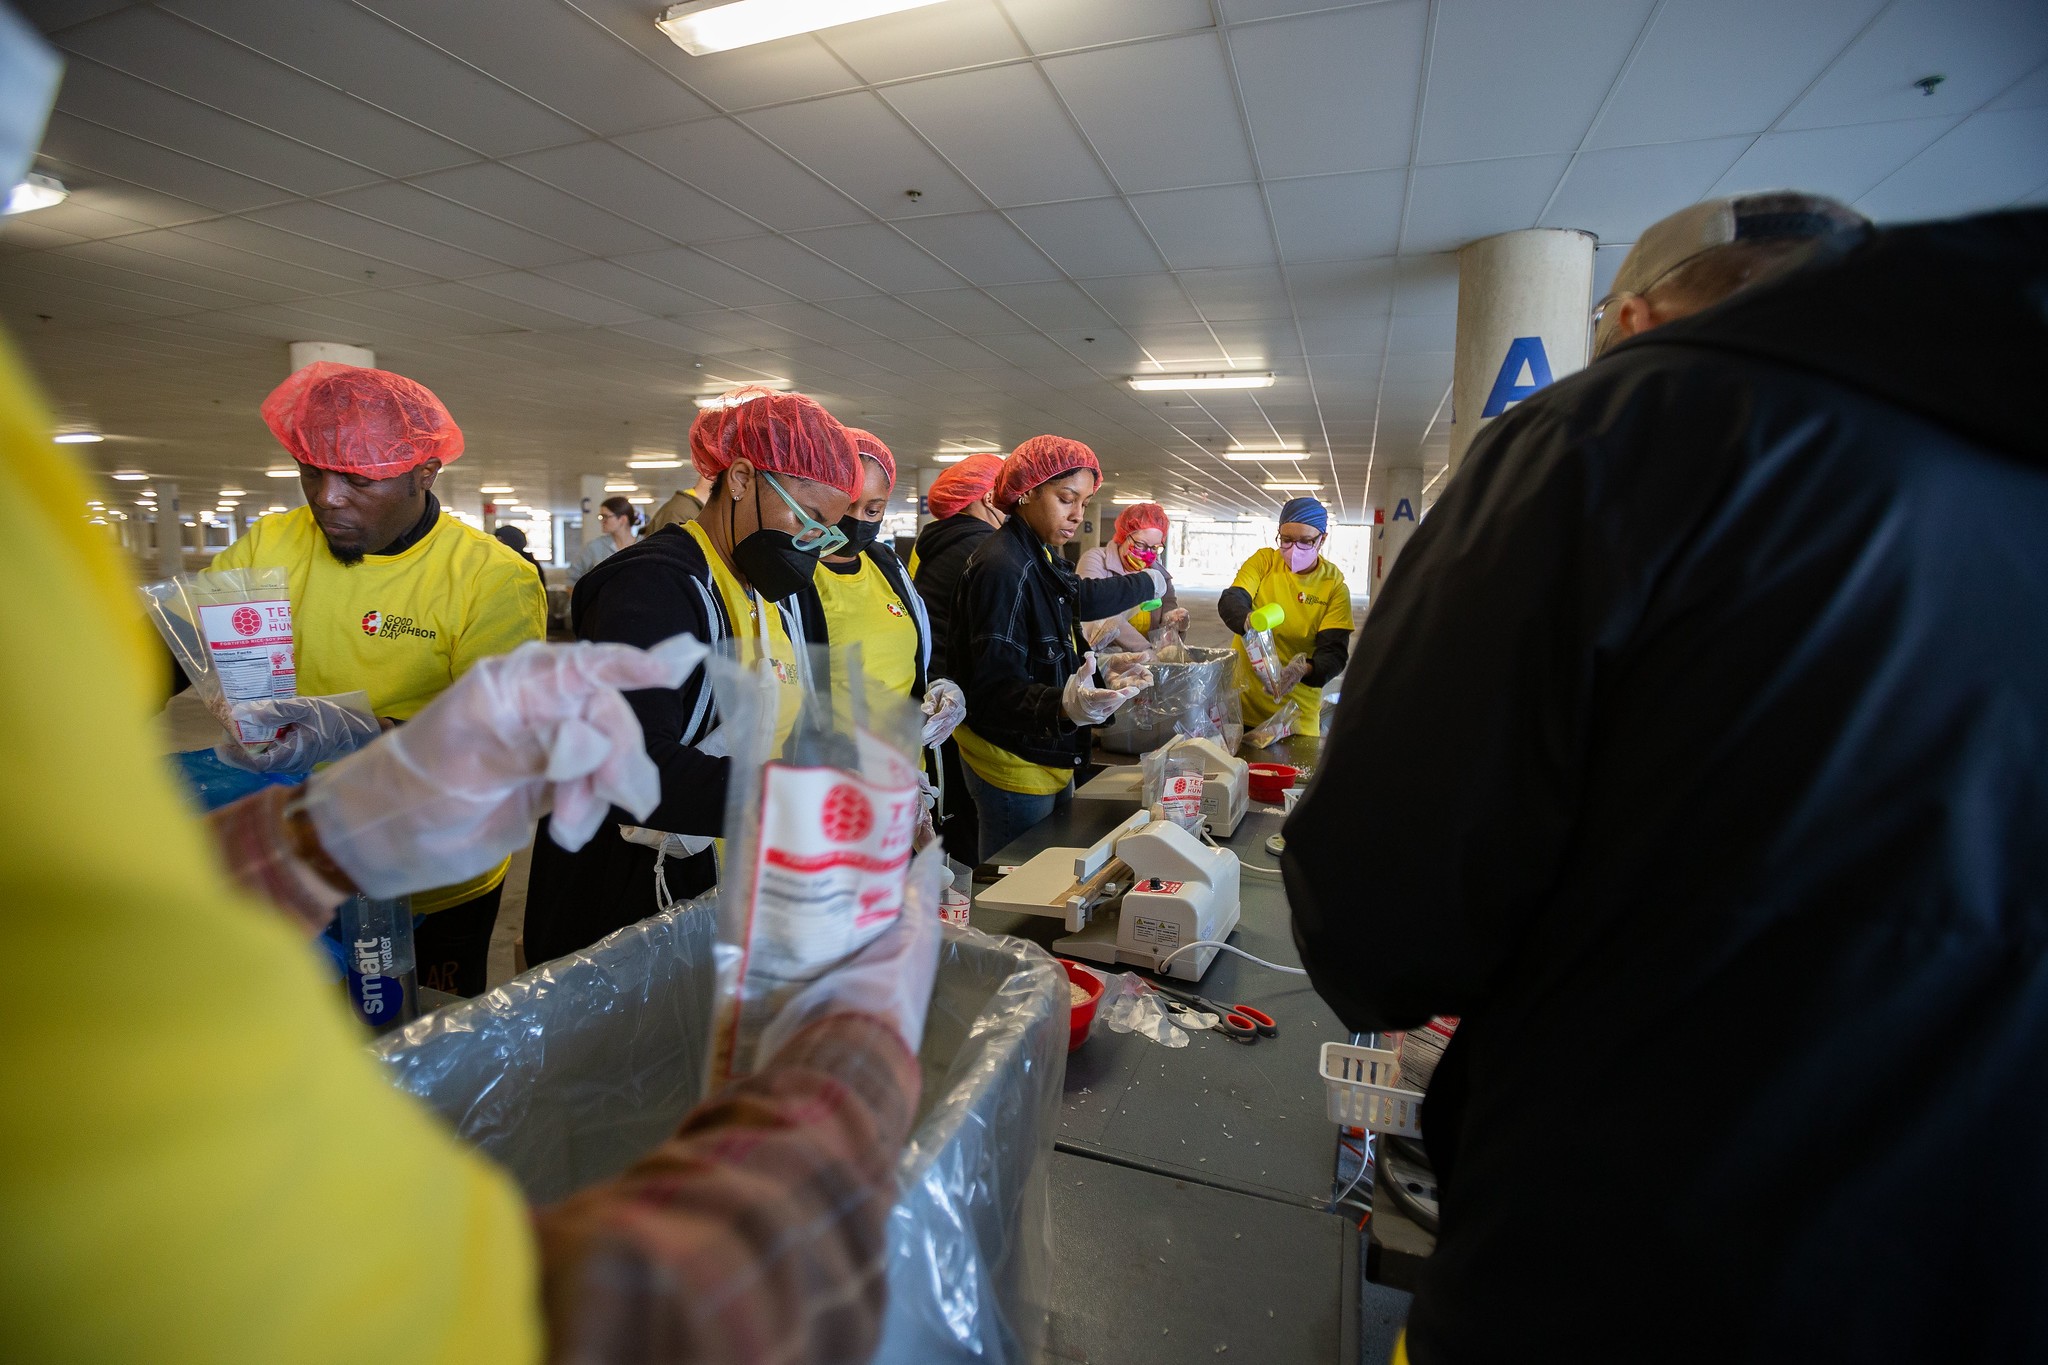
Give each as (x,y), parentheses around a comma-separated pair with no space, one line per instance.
(1290,486)
(497,488)
(640,502)
(622,488)
(1162,383)
(1129,500)
(130,475)
(954,456)
(1263,456)
(275,507)
(655,462)
(78,438)
(35,192)
(291,473)
(232,493)
(706,26)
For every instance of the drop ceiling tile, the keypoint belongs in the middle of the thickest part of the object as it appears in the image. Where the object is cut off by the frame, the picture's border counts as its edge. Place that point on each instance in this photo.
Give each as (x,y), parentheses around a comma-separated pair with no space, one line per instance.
(326,223)
(1431,369)
(1342,288)
(942,38)
(879,255)
(889,316)
(1055,25)
(1161,114)
(788,266)
(1030,350)
(172,251)
(510,312)
(680,336)
(1616,192)
(1361,334)
(1338,217)
(1449,206)
(968,311)
(1991,160)
(504,193)
(148,42)
(1426,285)
(107,152)
(859,144)
(1090,237)
(1258,292)
(111,208)
(450,223)
(602,174)
(554,55)
(19,232)
(145,265)
(639,292)
(1136,300)
(1980,46)
(1844,162)
(1512,80)
(730,164)
(699,274)
(1006,132)
(2030,92)
(1051,307)
(1335,91)
(1109,351)
(557,297)
(1702,73)
(1606,265)
(1222,226)
(1433,333)
(769,73)
(89,267)
(298,249)
(812,322)
(982,247)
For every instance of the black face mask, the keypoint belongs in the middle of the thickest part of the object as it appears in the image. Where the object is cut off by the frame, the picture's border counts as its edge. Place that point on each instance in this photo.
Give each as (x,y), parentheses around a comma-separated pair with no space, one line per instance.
(770,560)
(859,534)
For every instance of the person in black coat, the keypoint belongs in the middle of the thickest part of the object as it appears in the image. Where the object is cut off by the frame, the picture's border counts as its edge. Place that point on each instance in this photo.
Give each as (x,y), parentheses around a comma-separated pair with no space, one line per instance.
(1699,763)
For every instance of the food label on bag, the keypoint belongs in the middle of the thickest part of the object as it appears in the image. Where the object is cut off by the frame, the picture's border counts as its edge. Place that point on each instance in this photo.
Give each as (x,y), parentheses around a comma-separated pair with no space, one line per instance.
(828,877)
(251,645)
(1181,795)
(1421,1049)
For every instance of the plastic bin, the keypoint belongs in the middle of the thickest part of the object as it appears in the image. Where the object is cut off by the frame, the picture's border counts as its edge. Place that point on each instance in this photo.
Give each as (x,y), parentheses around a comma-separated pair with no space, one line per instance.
(1363,1086)
(1197,698)
(569,1073)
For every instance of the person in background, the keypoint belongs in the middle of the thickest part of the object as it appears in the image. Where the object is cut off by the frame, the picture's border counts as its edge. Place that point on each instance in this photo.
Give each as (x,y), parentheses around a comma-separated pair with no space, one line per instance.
(1713,689)
(680,510)
(514,539)
(1137,545)
(784,472)
(861,595)
(962,499)
(1016,647)
(1314,635)
(390,596)
(616,520)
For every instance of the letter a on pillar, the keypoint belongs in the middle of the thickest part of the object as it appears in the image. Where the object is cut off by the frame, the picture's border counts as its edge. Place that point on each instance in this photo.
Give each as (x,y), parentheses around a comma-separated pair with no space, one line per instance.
(1524,353)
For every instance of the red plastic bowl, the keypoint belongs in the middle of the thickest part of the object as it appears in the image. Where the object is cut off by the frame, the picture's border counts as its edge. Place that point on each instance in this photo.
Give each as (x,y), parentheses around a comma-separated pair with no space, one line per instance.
(1081,1017)
(1270,781)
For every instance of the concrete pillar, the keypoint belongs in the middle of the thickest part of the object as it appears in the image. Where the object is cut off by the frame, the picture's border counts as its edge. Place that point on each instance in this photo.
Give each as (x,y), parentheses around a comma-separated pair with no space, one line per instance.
(593,497)
(927,475)
(170,538)
(1397,507)
(1524,300)
(303,353)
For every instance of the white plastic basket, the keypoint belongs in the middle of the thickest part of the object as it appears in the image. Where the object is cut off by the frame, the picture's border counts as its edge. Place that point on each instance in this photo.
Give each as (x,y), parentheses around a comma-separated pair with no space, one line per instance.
(1365,1091)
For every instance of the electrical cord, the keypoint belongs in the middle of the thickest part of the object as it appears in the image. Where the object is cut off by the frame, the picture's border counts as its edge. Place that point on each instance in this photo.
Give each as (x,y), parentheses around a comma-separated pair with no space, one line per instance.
(1160,965)
(1364,1165)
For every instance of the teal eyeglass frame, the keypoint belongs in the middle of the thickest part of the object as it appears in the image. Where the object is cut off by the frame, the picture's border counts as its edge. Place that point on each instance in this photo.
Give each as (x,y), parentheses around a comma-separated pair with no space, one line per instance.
(826,538)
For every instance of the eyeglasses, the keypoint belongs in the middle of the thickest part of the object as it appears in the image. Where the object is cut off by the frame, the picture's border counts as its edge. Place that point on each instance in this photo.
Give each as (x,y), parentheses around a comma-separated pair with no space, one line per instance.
(812,537)
(1301,540)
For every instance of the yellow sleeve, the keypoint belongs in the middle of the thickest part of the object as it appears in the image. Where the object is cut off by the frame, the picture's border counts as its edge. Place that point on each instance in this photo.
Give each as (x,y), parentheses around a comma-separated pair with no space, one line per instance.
(1337,615)
(1253,572)
(511,608)
(198,1159)
(242,553)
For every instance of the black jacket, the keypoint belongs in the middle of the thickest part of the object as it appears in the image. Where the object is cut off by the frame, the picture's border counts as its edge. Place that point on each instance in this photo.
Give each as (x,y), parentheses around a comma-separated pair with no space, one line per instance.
(1015,640)
(811,610)
(942,551)
(1699,760)
(657,587)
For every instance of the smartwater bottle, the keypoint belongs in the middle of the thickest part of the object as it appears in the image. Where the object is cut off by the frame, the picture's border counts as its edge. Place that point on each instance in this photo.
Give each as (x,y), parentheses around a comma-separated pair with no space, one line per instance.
(383,977)
(1259,646)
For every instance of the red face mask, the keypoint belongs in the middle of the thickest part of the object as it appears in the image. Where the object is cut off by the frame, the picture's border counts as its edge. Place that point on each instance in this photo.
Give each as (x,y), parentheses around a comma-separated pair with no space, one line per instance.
(1140,556)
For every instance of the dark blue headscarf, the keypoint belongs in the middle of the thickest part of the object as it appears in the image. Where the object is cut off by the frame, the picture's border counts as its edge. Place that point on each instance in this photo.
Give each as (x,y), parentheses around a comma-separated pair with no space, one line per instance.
(1306,511)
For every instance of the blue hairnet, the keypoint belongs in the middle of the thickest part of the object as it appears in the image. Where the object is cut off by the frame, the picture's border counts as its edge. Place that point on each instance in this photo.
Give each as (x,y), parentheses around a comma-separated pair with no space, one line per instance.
(1306,511)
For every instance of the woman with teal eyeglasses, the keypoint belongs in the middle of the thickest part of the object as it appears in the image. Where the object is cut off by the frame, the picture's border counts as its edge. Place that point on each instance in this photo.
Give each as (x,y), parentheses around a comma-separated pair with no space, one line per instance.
(784,472)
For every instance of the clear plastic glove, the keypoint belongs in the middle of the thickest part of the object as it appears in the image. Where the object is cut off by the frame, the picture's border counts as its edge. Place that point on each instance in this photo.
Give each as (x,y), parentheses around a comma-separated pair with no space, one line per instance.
(321,730)
(1160,582)
(1086,704)
(891,978)
(1288,677)
(1128,1006)
(1175,620)
(452,792)
(945,706)
(1127,670)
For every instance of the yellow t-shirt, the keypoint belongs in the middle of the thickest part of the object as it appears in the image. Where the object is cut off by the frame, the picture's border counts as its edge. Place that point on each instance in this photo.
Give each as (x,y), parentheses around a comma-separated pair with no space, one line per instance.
(198,1159)
(1314,601)
(740,608)
(401,627)
(861,608)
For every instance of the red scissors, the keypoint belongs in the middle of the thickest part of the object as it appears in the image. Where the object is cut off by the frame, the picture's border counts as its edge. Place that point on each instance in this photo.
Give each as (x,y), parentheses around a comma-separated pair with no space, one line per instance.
(1239,1023)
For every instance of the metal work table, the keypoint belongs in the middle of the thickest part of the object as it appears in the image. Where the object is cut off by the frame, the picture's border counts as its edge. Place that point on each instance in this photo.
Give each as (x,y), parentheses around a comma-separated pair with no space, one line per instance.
(1223,1147)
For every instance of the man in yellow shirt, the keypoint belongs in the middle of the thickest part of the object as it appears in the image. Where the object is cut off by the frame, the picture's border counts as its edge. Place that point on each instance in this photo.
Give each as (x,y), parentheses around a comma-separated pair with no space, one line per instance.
(1315,602)
(389,595)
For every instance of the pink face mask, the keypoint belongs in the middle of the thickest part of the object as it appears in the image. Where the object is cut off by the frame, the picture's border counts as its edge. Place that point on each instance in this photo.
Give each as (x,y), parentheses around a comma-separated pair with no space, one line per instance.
(1300,558)
(1143,556)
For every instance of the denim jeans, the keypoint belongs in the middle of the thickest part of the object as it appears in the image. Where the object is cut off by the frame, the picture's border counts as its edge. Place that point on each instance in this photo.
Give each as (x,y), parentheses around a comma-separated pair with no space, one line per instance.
(1004,814)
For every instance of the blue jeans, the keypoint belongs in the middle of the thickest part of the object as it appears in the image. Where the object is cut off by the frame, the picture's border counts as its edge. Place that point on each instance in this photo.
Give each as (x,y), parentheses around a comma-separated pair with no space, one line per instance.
(1004,814)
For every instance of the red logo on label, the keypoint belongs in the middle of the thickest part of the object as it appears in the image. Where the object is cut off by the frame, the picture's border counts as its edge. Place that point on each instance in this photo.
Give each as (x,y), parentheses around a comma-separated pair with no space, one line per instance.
(894,610)
(372,620)
(246,620)
(847,816)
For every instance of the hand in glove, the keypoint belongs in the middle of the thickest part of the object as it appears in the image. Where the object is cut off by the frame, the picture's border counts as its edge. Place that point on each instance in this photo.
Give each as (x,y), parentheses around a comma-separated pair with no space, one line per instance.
(316,730)
(449,794)
(891,978)
(1177,619)
(1296,670)
(1086,704)
(1127,670)
(945,706)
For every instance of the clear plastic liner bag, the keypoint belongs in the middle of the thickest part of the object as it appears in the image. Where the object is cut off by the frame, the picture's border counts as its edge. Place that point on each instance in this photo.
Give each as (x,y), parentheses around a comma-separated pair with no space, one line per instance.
(1168,647)
(821,809)
(1197,697)
(231,632)
(1128,1005)
(1277,726)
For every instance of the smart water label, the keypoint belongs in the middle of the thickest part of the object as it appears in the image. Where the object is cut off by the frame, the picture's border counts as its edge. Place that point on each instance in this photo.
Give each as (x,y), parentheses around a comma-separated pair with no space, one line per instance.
(250,644)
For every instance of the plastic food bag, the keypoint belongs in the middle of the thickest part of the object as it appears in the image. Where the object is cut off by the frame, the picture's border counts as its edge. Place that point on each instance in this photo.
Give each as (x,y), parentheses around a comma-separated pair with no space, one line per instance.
(1277,727)
(955,896)
(231,632)
(1168,647)
(1421,1049)
(818,830)
(1128,1005)
(1170,786)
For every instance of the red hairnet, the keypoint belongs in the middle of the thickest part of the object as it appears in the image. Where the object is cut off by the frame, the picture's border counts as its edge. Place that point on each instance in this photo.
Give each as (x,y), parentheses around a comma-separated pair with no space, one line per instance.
(1140,516)
(1037,460)
(964,484)
(783,433)
(360,421)
(868,444)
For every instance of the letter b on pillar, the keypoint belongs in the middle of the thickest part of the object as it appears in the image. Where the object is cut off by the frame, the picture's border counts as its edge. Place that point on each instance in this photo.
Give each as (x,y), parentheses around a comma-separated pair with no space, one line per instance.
(1523,305)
